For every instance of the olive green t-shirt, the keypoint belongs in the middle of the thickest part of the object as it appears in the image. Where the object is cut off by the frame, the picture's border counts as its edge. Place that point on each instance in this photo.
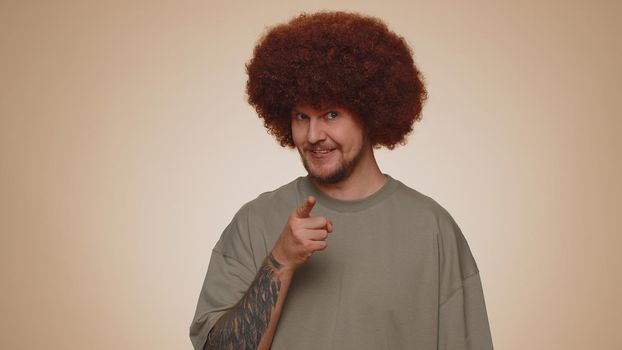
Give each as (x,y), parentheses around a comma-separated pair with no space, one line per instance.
(397,274)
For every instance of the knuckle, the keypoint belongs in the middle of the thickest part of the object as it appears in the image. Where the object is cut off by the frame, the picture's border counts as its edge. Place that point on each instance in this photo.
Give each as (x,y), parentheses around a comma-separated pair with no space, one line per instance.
(307,247)
(297,235)
(294,225)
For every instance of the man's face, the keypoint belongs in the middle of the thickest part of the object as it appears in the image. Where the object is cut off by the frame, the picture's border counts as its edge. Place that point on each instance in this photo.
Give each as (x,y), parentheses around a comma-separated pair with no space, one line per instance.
(331,142)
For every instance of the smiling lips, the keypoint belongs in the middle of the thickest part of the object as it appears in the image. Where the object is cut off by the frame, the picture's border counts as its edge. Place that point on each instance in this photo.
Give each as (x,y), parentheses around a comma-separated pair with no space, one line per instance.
(322,153)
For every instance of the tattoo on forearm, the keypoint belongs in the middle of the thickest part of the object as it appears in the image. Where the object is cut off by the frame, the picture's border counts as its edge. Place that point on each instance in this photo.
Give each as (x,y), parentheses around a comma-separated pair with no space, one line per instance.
(243,326)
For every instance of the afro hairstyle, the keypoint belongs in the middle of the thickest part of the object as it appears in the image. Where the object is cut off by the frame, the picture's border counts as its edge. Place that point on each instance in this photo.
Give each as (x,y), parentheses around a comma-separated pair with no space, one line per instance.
(336,59)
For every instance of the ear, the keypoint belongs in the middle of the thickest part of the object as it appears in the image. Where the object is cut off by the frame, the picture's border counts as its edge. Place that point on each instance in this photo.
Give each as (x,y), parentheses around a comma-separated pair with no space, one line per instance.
(366,131)
(367,138)
(290,138)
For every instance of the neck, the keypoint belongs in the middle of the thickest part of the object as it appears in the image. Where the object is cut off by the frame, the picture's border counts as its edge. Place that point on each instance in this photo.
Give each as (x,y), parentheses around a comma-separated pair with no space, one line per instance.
(365,179)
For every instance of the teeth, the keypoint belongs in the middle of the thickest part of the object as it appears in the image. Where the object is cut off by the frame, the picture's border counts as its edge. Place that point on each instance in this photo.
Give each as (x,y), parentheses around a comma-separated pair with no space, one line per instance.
(321,151)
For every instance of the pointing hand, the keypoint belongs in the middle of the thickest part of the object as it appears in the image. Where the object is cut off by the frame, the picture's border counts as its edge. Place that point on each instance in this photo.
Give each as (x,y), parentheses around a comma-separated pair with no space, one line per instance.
(302,236)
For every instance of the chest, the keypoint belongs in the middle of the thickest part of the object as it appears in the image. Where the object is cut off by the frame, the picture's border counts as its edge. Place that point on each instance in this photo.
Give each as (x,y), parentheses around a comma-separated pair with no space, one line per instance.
(382,263)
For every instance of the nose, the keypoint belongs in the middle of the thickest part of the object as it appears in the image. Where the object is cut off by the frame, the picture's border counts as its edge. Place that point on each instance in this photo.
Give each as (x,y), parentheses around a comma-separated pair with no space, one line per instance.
(315,133)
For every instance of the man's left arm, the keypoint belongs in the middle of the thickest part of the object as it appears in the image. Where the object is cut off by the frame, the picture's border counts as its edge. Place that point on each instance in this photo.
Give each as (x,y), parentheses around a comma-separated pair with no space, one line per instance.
(463,318)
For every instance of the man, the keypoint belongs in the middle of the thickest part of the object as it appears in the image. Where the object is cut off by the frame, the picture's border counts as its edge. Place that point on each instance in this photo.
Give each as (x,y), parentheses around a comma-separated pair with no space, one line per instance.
(346,257)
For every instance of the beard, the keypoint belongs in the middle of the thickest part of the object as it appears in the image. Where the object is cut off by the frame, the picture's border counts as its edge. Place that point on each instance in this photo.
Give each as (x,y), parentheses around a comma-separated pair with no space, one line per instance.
(341,173)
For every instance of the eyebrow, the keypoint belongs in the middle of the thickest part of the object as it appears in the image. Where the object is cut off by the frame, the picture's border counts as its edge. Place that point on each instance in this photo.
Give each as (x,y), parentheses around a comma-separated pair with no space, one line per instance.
(323,111)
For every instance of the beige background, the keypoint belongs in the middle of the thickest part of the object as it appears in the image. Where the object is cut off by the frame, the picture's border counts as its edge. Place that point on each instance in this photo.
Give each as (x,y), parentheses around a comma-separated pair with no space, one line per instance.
(126,146)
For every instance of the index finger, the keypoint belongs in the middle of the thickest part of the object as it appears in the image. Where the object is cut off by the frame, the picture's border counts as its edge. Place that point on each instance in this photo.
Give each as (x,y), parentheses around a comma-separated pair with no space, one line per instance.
(304,210)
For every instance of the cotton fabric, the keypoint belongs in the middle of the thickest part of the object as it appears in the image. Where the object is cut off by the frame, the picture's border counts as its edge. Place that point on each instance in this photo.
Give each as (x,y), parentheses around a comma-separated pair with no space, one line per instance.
(397,274)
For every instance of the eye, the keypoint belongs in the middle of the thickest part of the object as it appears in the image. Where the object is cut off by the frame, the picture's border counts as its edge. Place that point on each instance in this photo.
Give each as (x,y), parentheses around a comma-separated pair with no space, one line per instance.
(332,115)
(301,116)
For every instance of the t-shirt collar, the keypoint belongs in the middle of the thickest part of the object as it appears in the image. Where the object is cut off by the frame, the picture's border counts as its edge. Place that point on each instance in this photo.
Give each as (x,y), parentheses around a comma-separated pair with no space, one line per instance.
(306,188)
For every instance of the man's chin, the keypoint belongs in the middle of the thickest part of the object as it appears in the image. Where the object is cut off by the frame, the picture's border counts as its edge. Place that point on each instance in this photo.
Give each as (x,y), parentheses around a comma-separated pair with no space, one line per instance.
(330,178)
(327,173)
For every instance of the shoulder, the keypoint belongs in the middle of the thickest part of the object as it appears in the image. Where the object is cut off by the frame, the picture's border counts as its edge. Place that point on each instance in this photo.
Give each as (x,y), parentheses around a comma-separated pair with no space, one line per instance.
(255,215)
(281,198)
(454,252)
(416,201)
(269,205)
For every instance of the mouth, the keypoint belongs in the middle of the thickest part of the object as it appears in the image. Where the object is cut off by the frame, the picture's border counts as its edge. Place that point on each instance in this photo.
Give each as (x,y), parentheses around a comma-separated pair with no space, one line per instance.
(322,153)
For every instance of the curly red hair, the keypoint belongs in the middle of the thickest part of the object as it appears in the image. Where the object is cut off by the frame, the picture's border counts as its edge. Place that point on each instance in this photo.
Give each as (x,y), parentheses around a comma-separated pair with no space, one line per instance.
(336,59)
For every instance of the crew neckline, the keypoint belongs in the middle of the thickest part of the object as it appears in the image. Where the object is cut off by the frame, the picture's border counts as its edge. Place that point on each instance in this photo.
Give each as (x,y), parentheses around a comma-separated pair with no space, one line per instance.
(306,188)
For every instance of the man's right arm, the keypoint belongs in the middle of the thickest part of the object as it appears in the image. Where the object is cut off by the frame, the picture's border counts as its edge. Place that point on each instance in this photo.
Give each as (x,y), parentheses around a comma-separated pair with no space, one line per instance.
(251,323)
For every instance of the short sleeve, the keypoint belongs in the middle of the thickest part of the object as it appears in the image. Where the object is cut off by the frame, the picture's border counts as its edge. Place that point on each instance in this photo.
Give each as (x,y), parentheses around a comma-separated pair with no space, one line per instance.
(230,272)
(463,320)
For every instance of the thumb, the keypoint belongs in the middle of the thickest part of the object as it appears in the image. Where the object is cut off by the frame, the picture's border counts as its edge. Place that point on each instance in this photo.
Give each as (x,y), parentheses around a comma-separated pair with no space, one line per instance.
(304,210)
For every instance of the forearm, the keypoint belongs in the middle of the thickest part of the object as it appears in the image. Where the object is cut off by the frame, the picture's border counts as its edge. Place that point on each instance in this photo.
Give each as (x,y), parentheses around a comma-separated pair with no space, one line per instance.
(251,323)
